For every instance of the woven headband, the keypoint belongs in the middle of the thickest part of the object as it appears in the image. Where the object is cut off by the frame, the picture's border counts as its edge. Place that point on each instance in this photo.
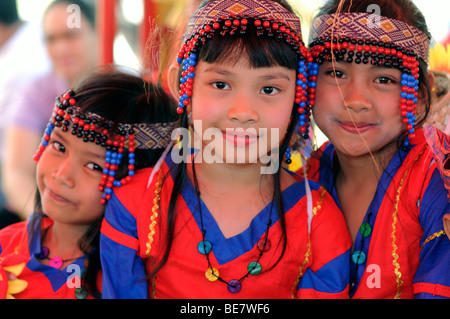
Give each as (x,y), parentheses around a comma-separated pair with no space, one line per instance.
(252,8)
(369,26)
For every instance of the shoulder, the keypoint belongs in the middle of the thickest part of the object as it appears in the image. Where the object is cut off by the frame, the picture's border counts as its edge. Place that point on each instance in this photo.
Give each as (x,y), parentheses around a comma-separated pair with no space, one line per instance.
(131,195)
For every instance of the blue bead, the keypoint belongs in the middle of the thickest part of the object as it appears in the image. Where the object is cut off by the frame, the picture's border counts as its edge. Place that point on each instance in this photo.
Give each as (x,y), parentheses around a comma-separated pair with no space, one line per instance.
(112,173)
(131,161)
(287,155)
(204,247)
(131,155)
(358,257)
(105,171)
(108,190)
(131,173)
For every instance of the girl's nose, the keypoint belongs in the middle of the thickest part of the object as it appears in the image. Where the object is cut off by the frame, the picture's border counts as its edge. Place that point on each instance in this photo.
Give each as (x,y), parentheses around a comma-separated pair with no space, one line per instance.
(243,109)
(356,97)
(64,174)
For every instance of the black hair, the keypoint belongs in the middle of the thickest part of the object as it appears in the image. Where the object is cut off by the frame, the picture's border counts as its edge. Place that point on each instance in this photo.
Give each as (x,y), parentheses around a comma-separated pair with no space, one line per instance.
(402,10)
(86,9)
(122,98)
(262,52)
(8,12)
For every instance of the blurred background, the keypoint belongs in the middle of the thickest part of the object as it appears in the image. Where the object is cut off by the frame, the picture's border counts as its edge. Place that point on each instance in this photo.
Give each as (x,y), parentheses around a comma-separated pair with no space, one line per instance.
(130,16)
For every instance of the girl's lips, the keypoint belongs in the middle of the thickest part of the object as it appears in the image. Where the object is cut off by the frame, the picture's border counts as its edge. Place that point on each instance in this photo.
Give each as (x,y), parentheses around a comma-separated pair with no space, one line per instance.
(59,198)
(356,127)
(238,138)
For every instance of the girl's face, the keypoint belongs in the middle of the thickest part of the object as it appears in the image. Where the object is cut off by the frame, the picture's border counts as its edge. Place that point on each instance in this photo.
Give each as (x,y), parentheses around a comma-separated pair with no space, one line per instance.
(68,175)
(247,109)
(372,116)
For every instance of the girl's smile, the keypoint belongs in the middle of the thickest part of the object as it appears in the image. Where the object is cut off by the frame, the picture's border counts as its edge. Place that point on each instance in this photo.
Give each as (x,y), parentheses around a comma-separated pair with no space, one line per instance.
(356,128)
(240,138)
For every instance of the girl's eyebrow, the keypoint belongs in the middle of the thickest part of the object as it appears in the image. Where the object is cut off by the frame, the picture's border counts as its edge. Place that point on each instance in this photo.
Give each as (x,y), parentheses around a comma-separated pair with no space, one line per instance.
(216,69)
(276,75)
(271,76)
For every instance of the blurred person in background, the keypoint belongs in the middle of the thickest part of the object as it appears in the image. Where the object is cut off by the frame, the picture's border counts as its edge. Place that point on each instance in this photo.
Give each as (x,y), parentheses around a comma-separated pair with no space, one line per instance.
(71,42)
(22,58)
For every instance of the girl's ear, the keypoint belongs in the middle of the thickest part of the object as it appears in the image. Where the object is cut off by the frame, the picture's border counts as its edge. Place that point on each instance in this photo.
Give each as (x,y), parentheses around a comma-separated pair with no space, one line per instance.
(173,80)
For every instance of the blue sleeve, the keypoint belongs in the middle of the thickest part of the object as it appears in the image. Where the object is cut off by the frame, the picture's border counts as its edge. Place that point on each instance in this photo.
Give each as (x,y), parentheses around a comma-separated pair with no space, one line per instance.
(124,274)
(432,279)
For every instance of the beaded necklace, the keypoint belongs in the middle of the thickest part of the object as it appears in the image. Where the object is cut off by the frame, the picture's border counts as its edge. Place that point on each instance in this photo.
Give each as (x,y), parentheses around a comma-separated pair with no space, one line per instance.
(55,262)
(204,247)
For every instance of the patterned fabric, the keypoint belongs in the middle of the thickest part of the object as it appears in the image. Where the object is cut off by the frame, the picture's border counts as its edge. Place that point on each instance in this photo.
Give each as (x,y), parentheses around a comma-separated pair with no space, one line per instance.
(370,26)
(152,136)
(260,8)
(439,143)
(146,136)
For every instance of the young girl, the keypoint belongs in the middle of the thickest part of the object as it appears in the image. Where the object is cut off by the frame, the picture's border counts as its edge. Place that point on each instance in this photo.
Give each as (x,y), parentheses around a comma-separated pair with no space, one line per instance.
(372,97)
(210,224)
(55,254)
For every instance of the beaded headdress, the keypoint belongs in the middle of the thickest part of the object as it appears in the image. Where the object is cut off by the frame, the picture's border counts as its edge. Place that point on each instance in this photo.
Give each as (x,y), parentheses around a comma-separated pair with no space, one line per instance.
(231,18)
(368,38)
(115,137)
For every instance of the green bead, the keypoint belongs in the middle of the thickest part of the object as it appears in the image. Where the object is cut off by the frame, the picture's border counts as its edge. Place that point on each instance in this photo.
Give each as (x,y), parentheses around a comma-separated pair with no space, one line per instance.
(365,229)
(81,293)
(254,268)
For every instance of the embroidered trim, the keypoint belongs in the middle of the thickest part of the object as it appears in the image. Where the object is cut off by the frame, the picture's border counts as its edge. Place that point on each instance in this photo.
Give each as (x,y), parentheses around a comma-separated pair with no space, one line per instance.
(308,247)
(155,210)
(435,235)
(395,256)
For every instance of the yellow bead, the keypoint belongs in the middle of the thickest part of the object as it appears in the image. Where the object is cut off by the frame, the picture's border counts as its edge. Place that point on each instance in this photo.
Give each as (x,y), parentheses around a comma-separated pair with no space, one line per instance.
(212,274)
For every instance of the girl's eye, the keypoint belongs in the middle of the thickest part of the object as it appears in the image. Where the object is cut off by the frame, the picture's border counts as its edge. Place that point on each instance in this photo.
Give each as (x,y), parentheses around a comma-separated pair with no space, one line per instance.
(94,167)
(58,146)
(221,85)
(385,80)
(336,74)
(269,90)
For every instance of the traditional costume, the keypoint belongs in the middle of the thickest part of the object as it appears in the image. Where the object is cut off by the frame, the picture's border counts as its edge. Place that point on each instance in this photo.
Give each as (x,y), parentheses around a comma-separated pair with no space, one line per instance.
(23,276)
(133,241)
(401,250)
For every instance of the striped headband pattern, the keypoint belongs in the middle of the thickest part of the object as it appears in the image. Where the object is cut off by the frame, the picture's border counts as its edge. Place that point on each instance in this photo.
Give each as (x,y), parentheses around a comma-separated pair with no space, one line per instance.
(370,26)
(252,8)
